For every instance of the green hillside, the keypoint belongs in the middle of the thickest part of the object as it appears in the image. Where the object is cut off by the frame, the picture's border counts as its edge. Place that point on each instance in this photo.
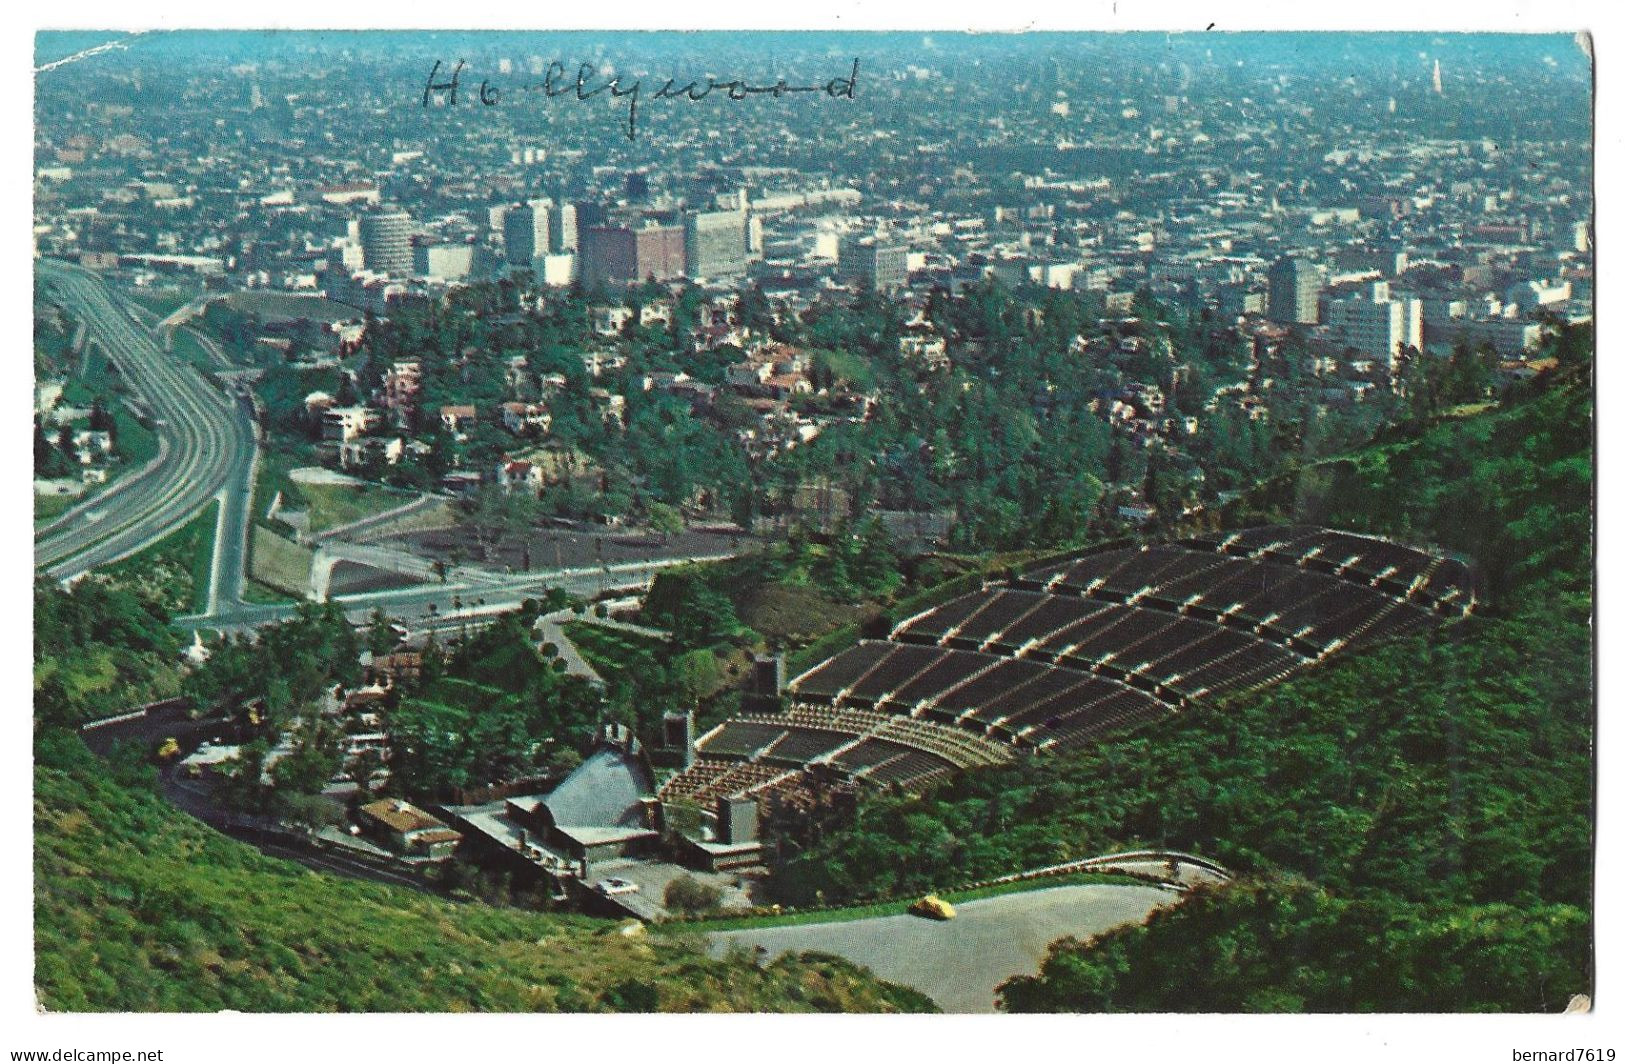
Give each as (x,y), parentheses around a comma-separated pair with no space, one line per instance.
(138,907)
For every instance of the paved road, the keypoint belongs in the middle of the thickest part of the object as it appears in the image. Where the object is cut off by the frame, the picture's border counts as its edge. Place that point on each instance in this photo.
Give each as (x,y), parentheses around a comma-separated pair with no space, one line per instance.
(960,963)
(205,439)
(416,604)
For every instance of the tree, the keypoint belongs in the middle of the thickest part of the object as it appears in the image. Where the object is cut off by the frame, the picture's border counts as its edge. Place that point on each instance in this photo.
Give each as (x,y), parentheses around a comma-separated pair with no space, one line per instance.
(666,520)
(241,786)
(381,637)
(48,461)
(563,760)
(685,894)
(696,673)
(1244,948)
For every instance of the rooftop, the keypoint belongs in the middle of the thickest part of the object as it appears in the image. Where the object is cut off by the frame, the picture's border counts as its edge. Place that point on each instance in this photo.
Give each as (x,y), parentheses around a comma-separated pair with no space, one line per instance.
(398,815)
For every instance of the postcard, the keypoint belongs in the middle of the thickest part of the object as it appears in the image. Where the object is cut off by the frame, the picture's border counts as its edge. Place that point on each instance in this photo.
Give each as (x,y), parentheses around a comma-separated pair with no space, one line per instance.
(843,522)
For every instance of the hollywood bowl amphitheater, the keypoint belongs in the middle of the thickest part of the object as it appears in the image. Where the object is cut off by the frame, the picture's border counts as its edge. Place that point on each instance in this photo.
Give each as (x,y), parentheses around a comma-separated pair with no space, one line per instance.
(1073,651)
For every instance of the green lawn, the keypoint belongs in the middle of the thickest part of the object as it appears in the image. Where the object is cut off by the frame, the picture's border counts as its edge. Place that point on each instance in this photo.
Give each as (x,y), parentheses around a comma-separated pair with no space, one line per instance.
(174,572)
(260,594)
(161,301)
(332,505)
(49,507)
(137,444)
(613,651)
(279,564)
(275,462)
(342,504)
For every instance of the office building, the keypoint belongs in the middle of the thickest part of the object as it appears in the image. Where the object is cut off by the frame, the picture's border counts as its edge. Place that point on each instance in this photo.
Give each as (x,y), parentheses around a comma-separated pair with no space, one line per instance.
(1375,322)
(443,262)
(621,255)
(525,233)
(386,242)
(561,233)
(1294,292)
(716,244)
(556,270)
(874,262)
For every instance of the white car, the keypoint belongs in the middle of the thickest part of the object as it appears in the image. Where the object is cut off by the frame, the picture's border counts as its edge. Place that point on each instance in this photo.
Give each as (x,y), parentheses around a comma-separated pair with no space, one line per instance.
(616,886)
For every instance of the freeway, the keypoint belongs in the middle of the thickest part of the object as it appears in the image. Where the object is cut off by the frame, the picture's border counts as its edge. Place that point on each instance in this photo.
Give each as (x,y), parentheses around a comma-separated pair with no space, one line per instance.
(206,450)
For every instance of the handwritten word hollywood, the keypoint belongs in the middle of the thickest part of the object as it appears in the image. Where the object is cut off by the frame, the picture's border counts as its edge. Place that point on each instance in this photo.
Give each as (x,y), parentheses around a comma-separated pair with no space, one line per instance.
(587,84)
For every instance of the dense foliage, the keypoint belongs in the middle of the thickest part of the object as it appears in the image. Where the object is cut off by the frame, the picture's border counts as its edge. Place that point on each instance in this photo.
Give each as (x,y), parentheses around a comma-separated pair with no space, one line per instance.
(138,907)
(99,650)
(1292,947)
(286,665)
(496,710)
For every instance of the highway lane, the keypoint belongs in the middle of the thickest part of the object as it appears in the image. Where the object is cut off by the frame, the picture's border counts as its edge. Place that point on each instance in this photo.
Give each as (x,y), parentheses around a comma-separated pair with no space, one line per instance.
(228,575)
(182,412)
(204,438)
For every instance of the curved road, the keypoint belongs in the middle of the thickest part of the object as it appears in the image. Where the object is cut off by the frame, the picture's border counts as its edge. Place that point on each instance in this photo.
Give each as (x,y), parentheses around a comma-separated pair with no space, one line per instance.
(960,963)
(206,449)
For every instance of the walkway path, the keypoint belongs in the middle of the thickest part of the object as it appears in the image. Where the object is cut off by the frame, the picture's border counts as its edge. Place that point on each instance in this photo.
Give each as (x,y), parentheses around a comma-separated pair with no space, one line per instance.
(550,629)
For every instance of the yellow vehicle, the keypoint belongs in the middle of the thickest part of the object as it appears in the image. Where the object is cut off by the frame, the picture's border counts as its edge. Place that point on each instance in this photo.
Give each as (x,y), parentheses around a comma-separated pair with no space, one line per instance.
(932,908)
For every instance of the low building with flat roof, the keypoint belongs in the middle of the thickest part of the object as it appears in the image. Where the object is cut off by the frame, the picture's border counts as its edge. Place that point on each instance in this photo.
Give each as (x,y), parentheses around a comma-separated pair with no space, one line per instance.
(408,830)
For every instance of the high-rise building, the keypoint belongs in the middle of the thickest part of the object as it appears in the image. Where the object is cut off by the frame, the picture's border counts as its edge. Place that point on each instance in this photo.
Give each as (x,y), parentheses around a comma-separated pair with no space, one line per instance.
(1294,291)
(590,212)
(525,233)
(1375,322)
(619,255)
(717,244)
(561,236)
(879,264)
(386,242)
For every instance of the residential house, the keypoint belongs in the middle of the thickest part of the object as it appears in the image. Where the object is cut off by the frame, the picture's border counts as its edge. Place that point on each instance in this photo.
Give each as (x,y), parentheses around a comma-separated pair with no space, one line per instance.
(402,384)
(610,321)
(515,474)
(596,362)
(91,443)
(518,369)
(526,419)
(611,406)
(458,419)
(341,424)
(354,453)
(925,346)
